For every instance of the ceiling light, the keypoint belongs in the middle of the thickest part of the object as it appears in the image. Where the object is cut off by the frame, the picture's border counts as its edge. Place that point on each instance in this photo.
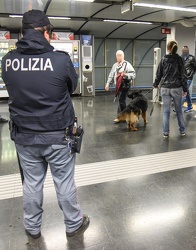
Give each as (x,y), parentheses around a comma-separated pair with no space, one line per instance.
(15,16)
(126,21)
(59,17)
(166,7)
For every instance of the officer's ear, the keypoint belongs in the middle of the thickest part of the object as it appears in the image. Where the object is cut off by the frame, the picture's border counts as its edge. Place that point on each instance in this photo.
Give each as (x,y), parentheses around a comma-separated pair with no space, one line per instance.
(46,35)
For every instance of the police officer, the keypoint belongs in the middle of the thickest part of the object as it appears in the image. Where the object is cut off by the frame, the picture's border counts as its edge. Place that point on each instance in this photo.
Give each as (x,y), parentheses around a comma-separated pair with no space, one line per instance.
(190,69)
(39,81)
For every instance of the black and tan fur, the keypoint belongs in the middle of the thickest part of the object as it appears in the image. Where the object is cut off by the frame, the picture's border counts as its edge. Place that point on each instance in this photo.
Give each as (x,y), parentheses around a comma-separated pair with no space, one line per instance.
(138,106)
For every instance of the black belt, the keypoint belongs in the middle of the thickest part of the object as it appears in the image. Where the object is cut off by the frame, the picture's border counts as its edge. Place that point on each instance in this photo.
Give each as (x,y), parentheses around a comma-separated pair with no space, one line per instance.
(59,132)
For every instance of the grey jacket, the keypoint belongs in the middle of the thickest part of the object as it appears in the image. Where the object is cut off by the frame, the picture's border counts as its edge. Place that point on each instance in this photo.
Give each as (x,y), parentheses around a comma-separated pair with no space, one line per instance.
(129,71)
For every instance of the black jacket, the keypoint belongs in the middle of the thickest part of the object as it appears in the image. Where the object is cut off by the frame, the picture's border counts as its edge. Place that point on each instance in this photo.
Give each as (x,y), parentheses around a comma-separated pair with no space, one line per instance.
(190,67)
(171,69)
(39,81)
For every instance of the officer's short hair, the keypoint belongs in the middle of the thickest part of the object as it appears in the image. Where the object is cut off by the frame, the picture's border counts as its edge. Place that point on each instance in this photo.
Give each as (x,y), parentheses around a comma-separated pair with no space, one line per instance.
(185,47)
(48,28)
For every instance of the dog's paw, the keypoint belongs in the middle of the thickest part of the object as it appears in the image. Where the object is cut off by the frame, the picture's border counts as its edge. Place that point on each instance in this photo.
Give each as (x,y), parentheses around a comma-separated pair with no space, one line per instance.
(145,122)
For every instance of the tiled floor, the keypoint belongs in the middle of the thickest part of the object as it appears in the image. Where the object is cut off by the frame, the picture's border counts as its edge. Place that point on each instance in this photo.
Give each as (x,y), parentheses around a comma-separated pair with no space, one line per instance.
(150,212)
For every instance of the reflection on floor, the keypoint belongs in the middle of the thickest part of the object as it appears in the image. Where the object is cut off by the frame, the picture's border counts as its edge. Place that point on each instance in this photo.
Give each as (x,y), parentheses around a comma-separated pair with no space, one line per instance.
(149,212)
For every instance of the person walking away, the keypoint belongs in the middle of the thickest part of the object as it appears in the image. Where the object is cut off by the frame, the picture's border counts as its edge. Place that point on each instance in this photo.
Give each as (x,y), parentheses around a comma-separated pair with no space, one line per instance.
(126,70)
(190,69)
(39,82)
(170,73)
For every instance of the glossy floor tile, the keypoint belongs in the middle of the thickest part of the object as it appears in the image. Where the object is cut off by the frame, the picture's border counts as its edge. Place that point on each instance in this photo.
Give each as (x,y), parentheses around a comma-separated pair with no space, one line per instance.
(149,212)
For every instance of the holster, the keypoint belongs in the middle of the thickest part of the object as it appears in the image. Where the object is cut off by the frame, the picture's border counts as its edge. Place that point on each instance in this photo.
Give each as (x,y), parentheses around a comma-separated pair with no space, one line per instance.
(77,140)
(13,130)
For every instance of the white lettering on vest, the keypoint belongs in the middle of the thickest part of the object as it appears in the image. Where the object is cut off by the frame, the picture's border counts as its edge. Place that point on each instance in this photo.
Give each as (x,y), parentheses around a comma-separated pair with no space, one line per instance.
(15,64)
(29,64)
(36,61)
(48,65)
(7,64)
(22,65)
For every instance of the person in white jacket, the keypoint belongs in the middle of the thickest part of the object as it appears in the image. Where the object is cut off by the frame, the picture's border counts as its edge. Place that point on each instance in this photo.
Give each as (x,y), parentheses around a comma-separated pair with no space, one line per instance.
(128,73)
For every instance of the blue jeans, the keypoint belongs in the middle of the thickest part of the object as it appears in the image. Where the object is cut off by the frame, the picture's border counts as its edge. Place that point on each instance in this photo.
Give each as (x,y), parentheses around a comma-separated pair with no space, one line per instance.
(34,161)
(167,96)
(188,97)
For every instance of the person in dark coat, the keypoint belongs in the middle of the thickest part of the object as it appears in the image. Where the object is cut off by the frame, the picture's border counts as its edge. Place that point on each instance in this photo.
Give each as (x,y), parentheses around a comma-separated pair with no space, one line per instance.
(190,69)
(171,74)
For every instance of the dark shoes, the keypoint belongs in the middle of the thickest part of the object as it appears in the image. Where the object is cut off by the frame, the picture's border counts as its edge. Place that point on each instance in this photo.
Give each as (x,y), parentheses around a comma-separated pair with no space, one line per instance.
(82,228)
(165,135)
(2,120)
(34,236)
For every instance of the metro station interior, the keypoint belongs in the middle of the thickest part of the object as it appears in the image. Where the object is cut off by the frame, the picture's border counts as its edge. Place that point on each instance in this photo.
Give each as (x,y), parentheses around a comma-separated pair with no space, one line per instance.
(137,187)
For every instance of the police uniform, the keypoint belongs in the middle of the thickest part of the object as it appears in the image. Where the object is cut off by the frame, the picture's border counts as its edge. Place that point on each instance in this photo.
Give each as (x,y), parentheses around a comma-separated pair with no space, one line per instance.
(39,81)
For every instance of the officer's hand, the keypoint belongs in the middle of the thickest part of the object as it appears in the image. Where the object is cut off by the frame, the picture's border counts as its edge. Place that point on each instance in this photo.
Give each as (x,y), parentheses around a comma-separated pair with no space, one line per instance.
(107,88)
(184,94)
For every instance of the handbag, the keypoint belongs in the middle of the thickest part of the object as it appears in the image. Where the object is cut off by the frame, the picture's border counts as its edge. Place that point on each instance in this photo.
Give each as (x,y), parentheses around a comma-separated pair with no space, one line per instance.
(125,83)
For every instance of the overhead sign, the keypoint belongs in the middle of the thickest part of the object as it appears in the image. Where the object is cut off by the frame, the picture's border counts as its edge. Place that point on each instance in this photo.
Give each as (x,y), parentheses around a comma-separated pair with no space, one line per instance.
(87,40)
(62,36)
(4,34)
(165,31)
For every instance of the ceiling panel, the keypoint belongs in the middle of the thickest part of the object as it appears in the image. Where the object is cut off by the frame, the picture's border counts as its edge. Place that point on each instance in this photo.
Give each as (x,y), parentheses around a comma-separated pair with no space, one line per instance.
(13,23)
(21,6)
(167,16)
(67,24)
(114,12)
(134,30)
(72,8)
(147,14)
(100,29)
(181,3)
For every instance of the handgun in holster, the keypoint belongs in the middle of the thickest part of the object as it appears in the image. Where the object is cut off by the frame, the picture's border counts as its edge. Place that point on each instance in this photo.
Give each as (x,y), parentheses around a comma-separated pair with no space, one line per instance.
(77,133)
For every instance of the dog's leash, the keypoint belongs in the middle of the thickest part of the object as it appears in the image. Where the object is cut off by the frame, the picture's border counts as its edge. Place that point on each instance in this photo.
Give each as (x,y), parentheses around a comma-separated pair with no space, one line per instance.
(149,91)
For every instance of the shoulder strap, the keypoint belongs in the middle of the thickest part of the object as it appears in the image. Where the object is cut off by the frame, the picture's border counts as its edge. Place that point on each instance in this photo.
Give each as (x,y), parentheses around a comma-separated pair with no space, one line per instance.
(125,65)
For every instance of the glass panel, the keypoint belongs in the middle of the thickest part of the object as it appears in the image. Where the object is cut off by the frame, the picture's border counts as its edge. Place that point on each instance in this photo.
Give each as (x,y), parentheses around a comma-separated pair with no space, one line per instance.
(99,78)
(112,45)
(144,52)
(99,52)
(108,72)
(144,76)
(163,48)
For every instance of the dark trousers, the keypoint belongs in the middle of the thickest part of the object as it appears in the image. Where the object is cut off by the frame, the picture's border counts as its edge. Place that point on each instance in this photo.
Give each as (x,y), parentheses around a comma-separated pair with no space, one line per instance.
(122,96)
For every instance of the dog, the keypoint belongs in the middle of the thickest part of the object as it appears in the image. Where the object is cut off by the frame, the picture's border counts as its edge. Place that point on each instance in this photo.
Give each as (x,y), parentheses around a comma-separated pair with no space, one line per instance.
(138,106)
